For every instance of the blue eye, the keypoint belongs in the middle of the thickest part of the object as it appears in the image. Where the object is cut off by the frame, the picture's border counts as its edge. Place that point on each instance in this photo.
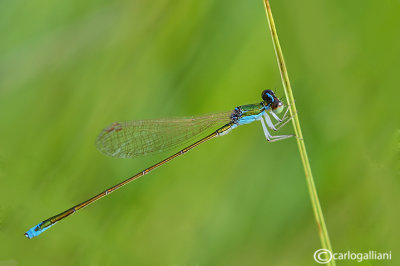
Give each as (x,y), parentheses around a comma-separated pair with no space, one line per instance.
(268,96)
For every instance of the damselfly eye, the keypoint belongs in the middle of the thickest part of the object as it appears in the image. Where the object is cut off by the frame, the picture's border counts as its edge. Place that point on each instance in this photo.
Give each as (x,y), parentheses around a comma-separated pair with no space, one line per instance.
(268,96)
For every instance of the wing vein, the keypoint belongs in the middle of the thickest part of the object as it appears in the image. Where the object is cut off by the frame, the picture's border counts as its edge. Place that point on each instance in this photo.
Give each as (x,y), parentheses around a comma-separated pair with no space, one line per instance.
(131,139)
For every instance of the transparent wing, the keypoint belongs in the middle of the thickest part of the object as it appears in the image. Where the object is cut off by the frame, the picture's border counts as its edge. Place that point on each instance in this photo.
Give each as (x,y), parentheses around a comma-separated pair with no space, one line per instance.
(137,138)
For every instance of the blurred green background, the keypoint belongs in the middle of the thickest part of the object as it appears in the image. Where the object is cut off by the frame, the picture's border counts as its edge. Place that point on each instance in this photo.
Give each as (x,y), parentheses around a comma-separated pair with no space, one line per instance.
(69,68)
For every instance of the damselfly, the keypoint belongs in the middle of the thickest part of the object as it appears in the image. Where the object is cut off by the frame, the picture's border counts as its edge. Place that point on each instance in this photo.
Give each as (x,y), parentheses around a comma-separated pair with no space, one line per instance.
(136,138)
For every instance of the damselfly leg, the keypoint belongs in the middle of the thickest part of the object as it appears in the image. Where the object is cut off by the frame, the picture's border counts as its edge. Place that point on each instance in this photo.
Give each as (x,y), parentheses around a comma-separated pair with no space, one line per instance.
(285,119)
(281,122)
(279,125)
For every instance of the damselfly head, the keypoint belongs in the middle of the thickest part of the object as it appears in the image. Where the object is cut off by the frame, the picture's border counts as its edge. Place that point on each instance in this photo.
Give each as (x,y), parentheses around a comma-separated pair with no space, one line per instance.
(277,107)
(270,99)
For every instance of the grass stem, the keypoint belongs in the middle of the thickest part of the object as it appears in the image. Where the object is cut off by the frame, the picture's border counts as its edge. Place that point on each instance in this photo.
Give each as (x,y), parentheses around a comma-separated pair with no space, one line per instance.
(319,217)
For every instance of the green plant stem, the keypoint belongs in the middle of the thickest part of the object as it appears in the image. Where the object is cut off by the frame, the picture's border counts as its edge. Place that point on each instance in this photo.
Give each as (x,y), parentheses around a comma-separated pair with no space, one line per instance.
(319,217)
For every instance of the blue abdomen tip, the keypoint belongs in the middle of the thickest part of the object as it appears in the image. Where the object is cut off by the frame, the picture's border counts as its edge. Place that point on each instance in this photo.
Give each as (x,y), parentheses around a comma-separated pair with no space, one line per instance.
(36,230)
